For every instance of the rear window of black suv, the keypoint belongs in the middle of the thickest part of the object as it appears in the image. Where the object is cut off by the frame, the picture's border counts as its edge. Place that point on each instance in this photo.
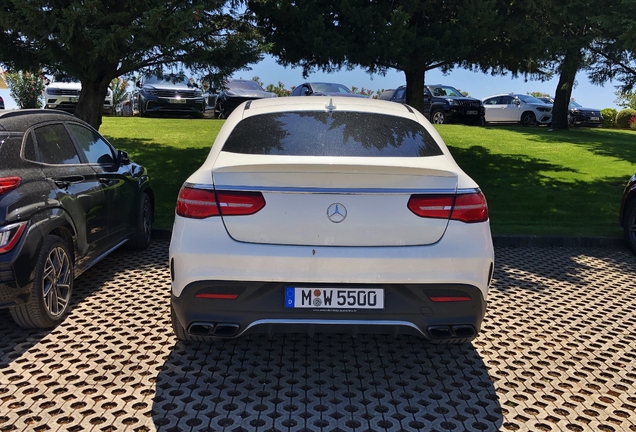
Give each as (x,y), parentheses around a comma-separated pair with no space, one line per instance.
(319,133)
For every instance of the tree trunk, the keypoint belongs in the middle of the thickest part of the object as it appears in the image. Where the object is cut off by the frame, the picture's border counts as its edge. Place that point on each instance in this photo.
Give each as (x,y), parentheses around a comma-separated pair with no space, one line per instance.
(560,109)
(91,101)
(415,88)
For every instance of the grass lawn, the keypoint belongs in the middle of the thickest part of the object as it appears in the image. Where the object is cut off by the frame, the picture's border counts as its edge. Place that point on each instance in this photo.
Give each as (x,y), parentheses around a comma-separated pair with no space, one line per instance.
(537,182)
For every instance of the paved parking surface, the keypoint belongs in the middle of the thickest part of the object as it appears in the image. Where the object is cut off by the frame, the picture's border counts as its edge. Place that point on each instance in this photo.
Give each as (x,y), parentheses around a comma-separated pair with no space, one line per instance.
(556,352)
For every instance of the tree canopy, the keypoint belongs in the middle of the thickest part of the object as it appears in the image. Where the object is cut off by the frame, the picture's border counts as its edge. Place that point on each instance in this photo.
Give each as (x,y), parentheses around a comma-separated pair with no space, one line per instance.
(96,41)
(413,36)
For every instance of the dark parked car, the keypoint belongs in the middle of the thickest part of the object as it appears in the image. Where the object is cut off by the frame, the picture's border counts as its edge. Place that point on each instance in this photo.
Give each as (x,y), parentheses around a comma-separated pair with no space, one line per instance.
(168,95)
(67,199)
(234,93)
(444,104)
(125,106)
(1,103)
(323,89)
(579,115)
(627,215)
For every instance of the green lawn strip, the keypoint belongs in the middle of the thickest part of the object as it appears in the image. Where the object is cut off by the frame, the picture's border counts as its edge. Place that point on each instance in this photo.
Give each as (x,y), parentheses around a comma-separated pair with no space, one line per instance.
(541,182)
(537,182)
(171,149)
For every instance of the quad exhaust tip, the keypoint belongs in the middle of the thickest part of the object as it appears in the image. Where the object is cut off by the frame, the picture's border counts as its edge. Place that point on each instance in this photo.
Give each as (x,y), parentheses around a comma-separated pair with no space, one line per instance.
(213,329)
(459,331)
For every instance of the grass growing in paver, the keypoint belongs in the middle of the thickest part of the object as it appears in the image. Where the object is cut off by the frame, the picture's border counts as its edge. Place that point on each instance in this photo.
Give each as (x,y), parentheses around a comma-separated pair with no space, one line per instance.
(537,182)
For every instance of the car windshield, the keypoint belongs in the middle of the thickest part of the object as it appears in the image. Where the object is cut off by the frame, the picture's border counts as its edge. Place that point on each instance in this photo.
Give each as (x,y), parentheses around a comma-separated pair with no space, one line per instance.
(64,78)
(444,91)
(530,99)
(575,105)
(244,85)
(168,80)
(330,88)
(312,133)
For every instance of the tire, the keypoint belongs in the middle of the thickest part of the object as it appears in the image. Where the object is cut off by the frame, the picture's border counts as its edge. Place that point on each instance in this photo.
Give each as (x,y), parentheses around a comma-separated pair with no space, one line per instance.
(180,332)
(528,119)
(49,299)
(142,111)
(438,117)
(140,240)
(629,223)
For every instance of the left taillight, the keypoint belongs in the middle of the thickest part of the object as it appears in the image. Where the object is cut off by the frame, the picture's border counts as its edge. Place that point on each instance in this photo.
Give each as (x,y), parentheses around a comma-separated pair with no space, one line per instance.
(7,184)
(465,207)
(198,203)
(9,236)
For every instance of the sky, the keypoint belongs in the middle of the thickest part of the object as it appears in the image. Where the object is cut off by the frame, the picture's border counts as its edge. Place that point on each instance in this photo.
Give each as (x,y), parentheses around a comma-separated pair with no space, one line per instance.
(477,84)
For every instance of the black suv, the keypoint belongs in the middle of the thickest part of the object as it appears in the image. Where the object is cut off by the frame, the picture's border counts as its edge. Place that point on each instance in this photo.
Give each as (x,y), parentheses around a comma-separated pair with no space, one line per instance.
(444,104)
(67,199)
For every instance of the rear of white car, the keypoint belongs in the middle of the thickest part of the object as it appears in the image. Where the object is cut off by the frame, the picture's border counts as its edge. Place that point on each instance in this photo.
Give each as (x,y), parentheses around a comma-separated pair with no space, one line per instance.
(330,214)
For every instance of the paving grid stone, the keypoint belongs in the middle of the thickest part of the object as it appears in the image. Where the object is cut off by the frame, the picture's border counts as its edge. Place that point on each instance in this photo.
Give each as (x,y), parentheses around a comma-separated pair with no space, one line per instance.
(556,353)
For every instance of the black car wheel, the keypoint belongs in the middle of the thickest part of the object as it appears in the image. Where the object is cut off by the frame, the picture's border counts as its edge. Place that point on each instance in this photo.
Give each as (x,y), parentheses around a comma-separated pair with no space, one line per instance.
(630,226)
(438,117)
(142,110)
(52,287)
(528,119)
(143,230)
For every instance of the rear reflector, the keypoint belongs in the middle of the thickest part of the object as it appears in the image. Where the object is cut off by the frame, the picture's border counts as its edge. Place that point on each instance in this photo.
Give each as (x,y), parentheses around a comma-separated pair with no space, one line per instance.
(203,203)
(7,184)
(10,235)
(216,296)
(449,299)
(469,207)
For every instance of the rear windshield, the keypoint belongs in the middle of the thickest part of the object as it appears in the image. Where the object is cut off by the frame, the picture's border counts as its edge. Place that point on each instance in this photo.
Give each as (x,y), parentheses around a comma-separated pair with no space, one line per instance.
(311,133)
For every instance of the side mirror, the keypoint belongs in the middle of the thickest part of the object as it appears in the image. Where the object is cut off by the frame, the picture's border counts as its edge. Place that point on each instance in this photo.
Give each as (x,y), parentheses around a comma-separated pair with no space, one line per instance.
(138,84)
(122,157)
(47,81)
(516,101)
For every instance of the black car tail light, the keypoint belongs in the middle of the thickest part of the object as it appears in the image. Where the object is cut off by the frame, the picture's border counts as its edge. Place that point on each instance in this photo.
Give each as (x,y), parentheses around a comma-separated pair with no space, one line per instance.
(7,184)
(203,203)
(9,236)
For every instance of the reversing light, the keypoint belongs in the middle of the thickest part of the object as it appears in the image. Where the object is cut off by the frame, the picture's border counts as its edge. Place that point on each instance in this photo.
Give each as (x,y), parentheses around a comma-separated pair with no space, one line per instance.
(431,206)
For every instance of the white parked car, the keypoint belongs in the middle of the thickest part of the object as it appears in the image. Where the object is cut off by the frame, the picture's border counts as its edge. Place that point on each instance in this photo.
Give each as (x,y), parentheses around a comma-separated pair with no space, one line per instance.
(63,94)
(517,108)
(328,214)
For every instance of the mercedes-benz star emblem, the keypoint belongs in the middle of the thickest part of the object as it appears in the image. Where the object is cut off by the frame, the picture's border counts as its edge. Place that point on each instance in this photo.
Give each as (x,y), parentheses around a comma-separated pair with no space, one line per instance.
(336,212)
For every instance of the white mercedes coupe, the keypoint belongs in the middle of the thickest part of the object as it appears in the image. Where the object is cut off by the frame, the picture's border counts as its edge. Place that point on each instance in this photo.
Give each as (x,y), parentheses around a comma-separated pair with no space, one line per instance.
(329,214)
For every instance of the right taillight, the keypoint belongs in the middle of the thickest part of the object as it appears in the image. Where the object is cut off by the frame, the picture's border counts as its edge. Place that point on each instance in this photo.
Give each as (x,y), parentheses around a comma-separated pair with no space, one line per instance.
(470,208)
(203,203)
(7,184)
(467,207)
(9,236)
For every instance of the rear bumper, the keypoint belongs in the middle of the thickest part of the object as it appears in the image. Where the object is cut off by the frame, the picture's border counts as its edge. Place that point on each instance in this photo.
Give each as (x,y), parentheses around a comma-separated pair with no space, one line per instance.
(260,308)
(201,252)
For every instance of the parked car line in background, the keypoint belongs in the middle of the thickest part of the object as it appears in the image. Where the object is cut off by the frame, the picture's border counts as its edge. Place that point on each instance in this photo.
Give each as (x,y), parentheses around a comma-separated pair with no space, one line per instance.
(167,95)
(323,89)
(63,92)
(517,108)
(443,104)
(579,115)
(234,93)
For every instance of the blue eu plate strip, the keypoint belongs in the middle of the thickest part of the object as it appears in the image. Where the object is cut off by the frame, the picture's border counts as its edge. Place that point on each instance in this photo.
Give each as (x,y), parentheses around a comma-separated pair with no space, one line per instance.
(290,293)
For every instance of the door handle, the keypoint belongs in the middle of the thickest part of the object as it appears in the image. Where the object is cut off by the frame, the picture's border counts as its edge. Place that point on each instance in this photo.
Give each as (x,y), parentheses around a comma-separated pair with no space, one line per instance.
(64,182)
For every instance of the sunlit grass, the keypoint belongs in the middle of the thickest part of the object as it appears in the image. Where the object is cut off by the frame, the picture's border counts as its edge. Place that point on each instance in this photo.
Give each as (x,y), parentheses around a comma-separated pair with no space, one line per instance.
(537,182)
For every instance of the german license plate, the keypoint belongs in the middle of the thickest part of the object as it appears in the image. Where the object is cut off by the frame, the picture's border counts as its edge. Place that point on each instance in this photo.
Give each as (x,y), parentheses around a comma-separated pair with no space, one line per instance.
(594,118)
(471,112)
(334,298)
(177,101)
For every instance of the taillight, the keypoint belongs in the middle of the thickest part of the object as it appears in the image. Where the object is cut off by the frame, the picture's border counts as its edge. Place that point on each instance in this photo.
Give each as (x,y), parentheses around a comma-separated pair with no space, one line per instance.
(7,184)
(9,236)
(468,207)
(203,203)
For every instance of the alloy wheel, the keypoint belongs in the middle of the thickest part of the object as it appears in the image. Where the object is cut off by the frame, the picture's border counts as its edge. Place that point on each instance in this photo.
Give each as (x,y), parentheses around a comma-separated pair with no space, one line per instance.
(56,282)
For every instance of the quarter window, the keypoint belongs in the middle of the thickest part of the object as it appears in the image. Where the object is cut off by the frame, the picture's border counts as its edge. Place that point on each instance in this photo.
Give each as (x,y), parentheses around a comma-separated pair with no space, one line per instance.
(52,145)
(96,149)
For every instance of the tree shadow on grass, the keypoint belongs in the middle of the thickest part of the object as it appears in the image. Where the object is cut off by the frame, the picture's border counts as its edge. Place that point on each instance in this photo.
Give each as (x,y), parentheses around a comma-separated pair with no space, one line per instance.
(523,199)
(168,168)
(616,144)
